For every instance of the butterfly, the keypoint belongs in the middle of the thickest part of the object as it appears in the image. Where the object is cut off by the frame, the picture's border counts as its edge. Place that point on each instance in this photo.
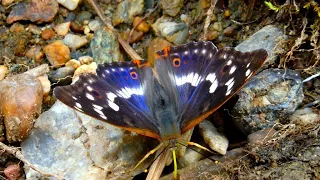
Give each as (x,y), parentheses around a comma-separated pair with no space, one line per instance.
(187,84)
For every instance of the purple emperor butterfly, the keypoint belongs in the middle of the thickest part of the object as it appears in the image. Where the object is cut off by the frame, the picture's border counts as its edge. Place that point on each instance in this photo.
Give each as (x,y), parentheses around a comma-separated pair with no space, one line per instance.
(187,84)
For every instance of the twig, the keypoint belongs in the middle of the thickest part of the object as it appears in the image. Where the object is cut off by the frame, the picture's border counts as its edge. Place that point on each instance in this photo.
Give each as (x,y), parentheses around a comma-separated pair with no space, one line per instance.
(124,44)
(14,151)
(208,19)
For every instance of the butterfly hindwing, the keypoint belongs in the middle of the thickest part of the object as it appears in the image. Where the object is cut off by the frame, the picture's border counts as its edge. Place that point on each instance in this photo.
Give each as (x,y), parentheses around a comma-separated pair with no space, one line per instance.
(115,95)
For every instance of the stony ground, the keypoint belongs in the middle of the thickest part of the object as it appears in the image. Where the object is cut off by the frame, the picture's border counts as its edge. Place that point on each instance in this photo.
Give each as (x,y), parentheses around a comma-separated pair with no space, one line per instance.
(44,44)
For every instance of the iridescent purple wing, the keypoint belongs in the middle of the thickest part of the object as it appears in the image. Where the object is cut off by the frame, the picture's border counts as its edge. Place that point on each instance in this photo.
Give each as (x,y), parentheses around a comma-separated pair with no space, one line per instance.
(199,78)
(115,95)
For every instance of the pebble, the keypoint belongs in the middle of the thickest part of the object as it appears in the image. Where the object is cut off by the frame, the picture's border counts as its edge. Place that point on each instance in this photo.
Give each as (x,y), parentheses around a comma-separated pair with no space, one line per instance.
(229,31)
(57,53)
(105,46)
(62,29)
(171,7)
(35,53)
(211,35)
(143,26)
(47,34)
(12,172)
(156,44)
(46,84)
(69,4)
(7,2)
(74,41)
(62,76)
(38,11)
(20,101)
(216,26)
(305,116)
(189,157)
(17,28)
(216,141)
(126,11)
(73,63)
(260,137)
(34,29)
(76,27)
(94,25)
(3,71)
(85,59)
(85,69)
(176,33)
(83,16)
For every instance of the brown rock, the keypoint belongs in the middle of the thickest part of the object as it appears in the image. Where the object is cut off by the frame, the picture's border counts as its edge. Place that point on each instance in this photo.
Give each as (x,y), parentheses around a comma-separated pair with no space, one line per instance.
(20,101)
(57,53)
(156,44)
(259,137)
(17,28)
(20,46)
(47,34)
(76,27)
(35,53)
(12,172)
(38,11)
(7,2)
(143,26)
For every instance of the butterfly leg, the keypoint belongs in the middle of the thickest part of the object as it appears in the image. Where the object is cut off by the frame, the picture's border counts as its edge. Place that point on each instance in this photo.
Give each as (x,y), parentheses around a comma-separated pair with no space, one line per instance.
(175,170)
(148,154)
(196,145)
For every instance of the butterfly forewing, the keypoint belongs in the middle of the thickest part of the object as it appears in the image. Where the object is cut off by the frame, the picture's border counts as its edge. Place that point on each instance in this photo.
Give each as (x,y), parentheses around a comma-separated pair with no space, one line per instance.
(199,78)
(115,95)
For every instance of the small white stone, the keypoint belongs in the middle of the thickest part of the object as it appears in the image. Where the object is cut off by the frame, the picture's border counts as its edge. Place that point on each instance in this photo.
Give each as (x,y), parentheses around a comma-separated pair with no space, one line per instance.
(46,84)
(69,4)
(216,141)
(62,29)
(74,41)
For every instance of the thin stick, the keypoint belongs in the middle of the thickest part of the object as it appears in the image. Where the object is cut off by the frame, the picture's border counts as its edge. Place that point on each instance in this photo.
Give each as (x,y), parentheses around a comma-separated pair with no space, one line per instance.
(159,164)
(14,151)
(123,43)
(208,19)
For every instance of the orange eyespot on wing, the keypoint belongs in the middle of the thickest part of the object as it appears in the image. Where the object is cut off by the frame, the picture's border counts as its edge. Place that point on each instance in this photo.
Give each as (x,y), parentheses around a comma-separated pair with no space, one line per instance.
(176,62)
(134,75)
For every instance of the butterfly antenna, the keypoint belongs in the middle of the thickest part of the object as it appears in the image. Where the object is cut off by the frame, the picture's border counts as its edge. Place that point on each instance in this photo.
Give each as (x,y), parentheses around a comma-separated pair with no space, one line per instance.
(147,155)
(198,151)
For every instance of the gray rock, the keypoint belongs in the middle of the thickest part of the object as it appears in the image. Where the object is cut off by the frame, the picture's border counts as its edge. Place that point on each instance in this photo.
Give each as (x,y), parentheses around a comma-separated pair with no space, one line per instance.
(105,46)
(171,7)
(266,38)
(76,146)
(62,76)
(127,10)
(269,98)
(83,16)
(174,32)
(305,116)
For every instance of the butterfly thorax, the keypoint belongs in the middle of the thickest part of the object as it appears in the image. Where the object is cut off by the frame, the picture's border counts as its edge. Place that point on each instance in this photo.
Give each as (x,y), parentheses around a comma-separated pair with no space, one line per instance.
(168,125)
